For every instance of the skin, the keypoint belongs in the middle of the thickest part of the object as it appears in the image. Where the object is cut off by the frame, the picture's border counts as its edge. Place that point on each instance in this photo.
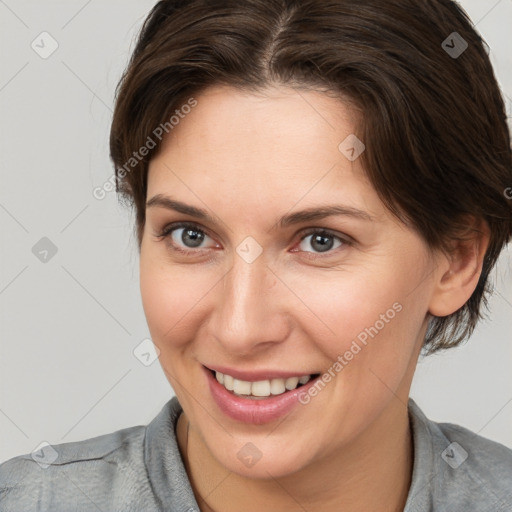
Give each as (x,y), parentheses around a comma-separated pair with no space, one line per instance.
(249,159)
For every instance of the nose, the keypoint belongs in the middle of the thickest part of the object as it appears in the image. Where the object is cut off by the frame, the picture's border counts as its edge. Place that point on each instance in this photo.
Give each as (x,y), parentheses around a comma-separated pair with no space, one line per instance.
(249,313)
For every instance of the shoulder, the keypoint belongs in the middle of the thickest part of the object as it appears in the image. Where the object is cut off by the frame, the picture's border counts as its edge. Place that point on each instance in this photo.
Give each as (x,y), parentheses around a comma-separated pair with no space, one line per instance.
(481,468)
(468,472)
(84,474)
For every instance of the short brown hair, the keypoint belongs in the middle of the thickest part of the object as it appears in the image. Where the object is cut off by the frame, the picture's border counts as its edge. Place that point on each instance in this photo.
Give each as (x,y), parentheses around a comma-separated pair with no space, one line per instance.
(433,122)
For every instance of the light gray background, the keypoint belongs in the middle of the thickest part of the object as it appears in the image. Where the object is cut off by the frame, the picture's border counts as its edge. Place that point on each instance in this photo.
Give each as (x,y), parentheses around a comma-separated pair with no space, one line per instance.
(69,326)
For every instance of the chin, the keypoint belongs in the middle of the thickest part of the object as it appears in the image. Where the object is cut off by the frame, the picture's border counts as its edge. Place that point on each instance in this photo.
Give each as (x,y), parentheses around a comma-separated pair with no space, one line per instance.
(259,460)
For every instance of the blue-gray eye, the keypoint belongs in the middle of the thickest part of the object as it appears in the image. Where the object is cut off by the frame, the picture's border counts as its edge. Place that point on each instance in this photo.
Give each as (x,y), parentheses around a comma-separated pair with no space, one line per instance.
(321,241)
(190,237)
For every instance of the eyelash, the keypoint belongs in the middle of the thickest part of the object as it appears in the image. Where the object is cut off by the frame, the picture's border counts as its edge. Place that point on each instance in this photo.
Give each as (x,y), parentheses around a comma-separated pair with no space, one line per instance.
(167,231)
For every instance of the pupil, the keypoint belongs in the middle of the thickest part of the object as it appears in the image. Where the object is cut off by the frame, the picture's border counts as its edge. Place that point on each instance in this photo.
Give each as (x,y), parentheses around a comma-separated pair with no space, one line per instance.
(325,243)
(195,237)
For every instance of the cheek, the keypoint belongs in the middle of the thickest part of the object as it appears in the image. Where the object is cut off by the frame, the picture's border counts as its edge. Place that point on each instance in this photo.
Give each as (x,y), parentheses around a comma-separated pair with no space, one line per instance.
(171,298)
(367,314)
(347,302)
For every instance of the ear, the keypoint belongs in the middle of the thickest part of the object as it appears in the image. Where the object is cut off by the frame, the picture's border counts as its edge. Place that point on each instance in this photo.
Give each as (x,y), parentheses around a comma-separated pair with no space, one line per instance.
(459,271)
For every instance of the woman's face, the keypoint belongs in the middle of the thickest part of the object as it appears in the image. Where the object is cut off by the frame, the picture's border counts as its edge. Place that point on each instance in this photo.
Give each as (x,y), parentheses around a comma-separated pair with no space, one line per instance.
(344,296)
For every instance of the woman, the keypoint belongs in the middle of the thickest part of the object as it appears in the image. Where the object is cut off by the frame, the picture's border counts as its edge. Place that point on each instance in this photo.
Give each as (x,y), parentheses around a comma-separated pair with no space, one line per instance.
(321,191)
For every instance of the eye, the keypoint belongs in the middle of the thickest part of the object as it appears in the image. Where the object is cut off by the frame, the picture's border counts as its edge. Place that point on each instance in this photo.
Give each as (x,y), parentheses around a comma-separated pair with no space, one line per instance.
(321,241)
(185,234)
(187,238)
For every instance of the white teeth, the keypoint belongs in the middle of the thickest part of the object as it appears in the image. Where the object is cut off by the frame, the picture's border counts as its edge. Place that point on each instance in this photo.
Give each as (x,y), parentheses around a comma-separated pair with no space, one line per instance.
(291,383)
(277,386)
(262,388)
(228,382)
(242,387)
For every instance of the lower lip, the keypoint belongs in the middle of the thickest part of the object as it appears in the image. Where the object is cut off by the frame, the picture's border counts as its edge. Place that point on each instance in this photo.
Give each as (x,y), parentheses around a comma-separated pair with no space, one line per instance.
(256,412)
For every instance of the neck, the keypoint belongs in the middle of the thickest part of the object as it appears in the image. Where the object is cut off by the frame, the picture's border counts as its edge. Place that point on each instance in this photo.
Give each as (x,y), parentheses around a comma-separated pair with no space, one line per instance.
(372,473)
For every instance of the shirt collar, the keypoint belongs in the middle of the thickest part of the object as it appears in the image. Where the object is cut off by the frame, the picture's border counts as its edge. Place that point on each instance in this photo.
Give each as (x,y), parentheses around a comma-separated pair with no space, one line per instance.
(419,498)
(166,471)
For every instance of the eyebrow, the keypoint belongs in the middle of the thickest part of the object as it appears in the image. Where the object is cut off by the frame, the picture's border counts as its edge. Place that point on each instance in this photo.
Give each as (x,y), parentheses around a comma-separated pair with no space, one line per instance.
(307,215)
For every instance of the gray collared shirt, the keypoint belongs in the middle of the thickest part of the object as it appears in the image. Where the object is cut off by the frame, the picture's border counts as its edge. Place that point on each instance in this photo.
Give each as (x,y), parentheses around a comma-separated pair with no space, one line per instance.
(140,469)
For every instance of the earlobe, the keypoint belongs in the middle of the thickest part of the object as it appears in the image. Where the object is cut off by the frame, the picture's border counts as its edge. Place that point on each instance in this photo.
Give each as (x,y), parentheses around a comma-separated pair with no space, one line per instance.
(460,270)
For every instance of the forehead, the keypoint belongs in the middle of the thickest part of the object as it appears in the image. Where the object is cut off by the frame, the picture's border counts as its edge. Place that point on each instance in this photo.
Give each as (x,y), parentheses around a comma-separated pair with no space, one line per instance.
(280,144)
(280,117)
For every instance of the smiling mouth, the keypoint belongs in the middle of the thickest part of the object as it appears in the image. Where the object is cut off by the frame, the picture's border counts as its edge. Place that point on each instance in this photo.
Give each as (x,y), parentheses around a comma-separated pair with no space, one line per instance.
(259,390)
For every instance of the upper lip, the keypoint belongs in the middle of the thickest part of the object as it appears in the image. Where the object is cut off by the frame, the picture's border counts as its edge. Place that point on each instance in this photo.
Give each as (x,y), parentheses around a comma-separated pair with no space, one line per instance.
(256,375)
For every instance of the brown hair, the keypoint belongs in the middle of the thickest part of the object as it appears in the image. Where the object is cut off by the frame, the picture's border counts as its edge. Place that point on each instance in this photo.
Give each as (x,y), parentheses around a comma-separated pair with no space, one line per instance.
(433,122)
